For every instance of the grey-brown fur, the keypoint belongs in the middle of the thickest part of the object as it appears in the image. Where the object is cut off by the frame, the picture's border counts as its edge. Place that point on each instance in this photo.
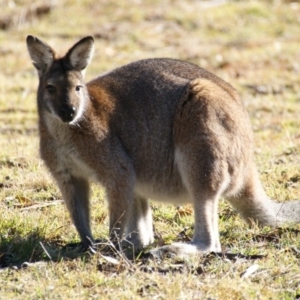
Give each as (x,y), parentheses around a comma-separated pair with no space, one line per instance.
(160,129)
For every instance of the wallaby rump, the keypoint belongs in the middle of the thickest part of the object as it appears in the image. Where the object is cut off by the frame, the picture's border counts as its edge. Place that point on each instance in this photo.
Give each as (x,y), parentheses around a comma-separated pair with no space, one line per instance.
(159,129)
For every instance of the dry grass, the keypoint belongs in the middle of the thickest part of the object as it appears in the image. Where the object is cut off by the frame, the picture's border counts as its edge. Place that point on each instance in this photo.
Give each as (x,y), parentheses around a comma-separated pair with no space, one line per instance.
(253,45)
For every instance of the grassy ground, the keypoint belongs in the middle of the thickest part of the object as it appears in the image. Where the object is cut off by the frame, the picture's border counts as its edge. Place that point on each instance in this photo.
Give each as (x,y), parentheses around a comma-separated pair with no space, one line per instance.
(253,45)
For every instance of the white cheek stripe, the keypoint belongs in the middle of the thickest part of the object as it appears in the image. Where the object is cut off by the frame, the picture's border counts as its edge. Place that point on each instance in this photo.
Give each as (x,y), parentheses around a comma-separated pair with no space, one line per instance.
(81,108)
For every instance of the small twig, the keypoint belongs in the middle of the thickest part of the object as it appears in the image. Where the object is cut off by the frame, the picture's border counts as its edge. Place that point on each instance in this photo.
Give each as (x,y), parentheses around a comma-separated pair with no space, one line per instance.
(234,256)
(120,254)
(45,250)
(40,205)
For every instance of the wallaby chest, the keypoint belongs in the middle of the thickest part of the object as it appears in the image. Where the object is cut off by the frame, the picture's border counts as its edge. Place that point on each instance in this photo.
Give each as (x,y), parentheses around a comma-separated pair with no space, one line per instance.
(62,154)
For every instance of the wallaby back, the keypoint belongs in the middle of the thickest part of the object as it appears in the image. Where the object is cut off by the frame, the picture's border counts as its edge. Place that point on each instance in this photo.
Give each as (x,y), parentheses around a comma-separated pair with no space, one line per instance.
(159,128)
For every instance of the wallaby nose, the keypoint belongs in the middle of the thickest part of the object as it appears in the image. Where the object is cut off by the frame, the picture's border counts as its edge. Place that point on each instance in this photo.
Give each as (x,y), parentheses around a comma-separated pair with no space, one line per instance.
(67,112)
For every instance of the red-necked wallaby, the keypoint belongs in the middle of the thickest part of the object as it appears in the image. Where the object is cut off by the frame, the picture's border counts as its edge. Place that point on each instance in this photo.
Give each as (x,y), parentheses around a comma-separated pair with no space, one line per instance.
(162,129)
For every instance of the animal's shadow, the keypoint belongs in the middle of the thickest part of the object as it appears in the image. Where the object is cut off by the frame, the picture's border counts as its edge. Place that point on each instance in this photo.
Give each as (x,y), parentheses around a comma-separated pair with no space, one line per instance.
(20,251)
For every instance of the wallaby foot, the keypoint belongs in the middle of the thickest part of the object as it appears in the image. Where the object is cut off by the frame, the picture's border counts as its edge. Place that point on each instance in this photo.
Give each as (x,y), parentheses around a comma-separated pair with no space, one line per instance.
(180,250)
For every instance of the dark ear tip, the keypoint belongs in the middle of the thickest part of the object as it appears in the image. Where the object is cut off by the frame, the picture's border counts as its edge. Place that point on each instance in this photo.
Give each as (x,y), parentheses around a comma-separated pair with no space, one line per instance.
(89,38)
(30,39)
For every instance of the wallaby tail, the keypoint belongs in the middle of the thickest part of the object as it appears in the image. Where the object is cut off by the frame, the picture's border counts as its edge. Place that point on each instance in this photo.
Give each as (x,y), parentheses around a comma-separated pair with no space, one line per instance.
(254,205)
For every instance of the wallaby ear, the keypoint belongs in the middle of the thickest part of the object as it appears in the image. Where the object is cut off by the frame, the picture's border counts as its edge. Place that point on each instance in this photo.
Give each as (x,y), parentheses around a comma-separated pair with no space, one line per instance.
(80,55)
(41,54)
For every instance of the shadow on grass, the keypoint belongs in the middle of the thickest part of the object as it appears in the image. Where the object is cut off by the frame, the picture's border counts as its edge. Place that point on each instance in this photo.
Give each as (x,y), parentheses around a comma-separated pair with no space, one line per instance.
(19,251)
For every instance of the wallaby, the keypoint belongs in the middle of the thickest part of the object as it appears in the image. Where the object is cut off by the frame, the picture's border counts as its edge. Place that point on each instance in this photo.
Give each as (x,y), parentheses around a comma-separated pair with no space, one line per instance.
(162,129)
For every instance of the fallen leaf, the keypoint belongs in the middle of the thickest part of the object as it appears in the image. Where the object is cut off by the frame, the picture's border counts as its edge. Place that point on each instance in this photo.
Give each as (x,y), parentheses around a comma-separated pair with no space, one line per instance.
(183,211)
(250,271)
(110,259)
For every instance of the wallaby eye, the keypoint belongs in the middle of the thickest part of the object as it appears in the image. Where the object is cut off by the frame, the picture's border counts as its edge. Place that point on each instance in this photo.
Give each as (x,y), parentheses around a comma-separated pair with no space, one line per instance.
(51,89)
(78,88)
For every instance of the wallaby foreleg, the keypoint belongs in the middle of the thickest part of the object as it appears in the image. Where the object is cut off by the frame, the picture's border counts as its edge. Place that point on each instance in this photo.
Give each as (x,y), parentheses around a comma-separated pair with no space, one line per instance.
(121,204)
(139,231)
(75,192)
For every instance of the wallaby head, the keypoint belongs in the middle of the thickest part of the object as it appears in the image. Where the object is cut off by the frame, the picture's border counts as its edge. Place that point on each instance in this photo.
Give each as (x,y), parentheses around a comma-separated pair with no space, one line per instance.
(62,91)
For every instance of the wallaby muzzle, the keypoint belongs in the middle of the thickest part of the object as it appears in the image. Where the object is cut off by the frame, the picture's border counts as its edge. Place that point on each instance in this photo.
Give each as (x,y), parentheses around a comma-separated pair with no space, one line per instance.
(67,113)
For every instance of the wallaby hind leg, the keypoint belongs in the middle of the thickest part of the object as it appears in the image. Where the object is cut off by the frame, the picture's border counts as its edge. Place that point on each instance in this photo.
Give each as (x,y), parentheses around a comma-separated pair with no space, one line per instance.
(75,192)
(205,181)
(139,229)
(201,139)
(206,228)
(204,190)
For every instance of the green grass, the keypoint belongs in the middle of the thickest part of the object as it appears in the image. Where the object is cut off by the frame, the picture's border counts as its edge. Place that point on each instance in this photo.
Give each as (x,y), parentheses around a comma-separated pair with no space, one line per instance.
(253,45)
